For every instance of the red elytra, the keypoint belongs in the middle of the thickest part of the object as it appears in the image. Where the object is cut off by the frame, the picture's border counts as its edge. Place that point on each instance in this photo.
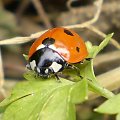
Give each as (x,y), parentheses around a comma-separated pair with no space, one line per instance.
(67,43)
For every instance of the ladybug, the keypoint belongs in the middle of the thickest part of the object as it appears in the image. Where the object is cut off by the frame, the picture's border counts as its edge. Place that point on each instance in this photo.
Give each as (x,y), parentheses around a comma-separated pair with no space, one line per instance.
(55,50)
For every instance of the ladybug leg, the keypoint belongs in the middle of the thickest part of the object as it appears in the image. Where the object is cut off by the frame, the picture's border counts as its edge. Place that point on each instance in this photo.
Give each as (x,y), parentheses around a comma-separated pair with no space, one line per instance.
(75,68)
(88,59)
(28,66)
(56,76)
(36,73)
(81,62)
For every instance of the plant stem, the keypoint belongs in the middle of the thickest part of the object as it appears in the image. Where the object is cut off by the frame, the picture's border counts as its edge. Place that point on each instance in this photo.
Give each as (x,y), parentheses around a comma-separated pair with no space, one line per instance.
(100,90)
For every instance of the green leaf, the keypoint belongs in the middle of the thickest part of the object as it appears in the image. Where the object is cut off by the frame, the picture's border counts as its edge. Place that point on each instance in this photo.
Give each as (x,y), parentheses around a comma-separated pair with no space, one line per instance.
(118,117)
(86,69)
(111,106)
(79,92)
(103,44)
(25,56)
(1,116)
(43,99)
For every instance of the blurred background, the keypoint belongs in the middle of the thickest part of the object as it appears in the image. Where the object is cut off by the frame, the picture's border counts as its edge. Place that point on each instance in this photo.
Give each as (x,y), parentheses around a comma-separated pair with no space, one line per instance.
(25,17)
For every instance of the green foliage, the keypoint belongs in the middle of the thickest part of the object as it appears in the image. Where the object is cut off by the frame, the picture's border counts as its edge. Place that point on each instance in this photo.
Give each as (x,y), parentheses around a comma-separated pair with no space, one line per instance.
(43,100)
(111,106)
(118,117)
(25,56)
(86,70)
(46,99)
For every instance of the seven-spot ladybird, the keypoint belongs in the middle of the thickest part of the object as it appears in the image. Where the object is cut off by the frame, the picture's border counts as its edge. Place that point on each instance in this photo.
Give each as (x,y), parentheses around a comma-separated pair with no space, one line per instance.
(55,50)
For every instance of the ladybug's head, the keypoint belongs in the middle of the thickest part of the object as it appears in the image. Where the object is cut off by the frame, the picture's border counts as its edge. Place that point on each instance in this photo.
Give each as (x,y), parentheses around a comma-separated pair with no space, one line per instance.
(46,61)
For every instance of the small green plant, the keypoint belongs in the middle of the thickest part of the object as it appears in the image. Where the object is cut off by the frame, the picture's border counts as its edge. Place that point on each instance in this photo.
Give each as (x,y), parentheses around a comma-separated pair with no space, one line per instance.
(111,106)
(46,99)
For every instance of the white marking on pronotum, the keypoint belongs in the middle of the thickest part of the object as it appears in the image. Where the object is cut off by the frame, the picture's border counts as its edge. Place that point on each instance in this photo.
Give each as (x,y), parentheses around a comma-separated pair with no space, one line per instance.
(38,70)
(33,64)
(28,66)
(46,71)
(40,46)
(56,67)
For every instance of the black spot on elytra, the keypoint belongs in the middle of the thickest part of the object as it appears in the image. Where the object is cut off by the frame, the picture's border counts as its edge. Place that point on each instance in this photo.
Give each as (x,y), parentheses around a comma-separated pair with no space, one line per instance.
(48,41)
(77,49)
(68,32)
